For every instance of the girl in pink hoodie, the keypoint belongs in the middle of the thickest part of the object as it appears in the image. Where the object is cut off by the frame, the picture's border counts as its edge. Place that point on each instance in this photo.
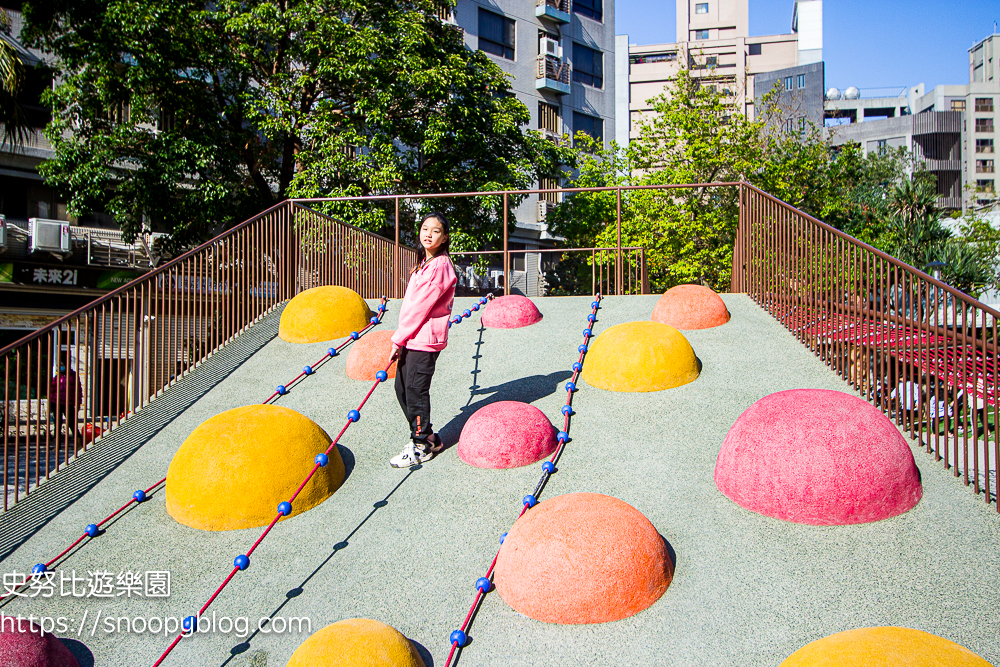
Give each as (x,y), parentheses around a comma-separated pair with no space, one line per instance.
(421,335)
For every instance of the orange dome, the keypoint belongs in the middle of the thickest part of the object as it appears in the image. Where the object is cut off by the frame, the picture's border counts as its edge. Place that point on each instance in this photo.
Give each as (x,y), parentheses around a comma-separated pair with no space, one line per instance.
(690,307)
(369,354)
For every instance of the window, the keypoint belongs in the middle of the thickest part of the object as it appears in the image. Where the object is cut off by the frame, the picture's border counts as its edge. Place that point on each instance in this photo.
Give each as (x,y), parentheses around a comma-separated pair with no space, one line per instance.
(588,66)
(788,83)
(548,184)
(755,49)
(496,34)
(588,125)
(958,105)
(701,34)
(984,125)
(701,8)
(984,166)
(985,184)
(711,61)
(882,145)
(789,126)
(802,80)
(548,117)
(589,8)
(984,145)
(802,124)
(653,58)
(984,104)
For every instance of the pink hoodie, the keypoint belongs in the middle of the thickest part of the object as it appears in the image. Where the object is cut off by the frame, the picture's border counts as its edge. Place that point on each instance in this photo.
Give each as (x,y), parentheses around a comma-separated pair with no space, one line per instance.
(426,309)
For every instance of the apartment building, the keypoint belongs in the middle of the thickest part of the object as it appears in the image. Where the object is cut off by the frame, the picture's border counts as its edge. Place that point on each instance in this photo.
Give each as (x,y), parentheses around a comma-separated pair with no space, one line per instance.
(713,41)
(950,129)
(561,58)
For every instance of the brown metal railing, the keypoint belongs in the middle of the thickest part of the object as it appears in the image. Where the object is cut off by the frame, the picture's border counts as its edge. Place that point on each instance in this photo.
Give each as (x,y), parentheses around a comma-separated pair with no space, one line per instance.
(73,381)
(921,351)
(607,275)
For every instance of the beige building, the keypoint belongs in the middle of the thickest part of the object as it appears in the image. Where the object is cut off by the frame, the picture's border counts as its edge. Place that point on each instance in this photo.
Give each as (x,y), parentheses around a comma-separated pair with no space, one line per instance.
(714,42)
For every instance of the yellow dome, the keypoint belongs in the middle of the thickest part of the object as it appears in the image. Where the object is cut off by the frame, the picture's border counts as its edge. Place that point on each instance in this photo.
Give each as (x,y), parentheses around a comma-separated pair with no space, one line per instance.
(640,356)
(356,642)
(323,313)
(234,469)
(883,647)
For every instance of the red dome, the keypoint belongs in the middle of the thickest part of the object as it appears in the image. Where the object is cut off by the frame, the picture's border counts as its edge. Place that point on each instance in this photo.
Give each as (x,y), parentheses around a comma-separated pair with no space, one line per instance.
(369,354)
(26,647)
(506,434)
(511,312)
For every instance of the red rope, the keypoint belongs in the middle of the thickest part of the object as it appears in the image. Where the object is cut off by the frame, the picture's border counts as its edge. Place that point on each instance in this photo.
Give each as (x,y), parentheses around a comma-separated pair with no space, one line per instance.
(555,457)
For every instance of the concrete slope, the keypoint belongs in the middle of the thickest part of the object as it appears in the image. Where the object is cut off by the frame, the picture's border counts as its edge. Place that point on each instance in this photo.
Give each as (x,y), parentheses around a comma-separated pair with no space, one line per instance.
(405,548)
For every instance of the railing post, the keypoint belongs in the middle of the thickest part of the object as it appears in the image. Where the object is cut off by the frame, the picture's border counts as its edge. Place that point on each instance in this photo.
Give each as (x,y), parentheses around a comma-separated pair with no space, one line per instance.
(618,256)
(644,278)
(736,283)
(506,251)
(290,254)
(395,257)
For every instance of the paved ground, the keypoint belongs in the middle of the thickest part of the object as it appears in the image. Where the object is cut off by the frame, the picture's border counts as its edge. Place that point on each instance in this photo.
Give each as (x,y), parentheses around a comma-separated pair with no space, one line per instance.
(406,548)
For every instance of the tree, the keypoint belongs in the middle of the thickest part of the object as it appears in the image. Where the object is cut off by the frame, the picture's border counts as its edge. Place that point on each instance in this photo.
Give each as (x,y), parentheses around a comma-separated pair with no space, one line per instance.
(13,71)
(190,115)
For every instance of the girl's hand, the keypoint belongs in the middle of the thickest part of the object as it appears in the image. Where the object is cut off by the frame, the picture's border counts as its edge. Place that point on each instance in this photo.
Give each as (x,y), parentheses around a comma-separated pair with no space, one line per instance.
(394,353)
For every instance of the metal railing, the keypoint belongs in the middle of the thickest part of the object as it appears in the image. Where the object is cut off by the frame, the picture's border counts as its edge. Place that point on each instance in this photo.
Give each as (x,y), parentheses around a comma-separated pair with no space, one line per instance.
(550,67)
(80,377)
(610,273)
(921,351)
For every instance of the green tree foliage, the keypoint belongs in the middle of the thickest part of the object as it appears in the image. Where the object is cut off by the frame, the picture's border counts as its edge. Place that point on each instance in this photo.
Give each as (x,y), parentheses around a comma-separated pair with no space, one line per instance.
(190,115)
(13,72)
(694,136)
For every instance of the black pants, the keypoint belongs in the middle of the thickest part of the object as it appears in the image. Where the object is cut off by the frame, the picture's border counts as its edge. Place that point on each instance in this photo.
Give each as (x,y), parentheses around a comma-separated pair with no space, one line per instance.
(414,371)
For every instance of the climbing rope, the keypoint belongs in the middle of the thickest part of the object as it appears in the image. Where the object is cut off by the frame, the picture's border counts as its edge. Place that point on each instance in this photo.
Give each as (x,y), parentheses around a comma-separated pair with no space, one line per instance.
(242,562)
(94,529)
(484,584)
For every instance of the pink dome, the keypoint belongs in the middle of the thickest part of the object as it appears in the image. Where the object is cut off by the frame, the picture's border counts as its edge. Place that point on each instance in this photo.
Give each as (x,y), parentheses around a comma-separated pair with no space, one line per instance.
(819,457)
(689,307)
(26,647)
(506,434)
(369,354)
(511,312)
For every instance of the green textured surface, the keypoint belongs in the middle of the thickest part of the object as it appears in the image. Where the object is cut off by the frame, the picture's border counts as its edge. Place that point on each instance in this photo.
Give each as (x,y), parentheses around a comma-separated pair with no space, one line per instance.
(747,590)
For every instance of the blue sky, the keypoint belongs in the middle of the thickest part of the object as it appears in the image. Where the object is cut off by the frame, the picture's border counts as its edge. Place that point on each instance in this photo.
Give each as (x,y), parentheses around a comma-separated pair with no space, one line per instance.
(866,43)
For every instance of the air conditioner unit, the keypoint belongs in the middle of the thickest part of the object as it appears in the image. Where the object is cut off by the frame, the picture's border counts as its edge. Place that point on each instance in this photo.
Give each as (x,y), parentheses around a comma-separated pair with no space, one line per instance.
(543,209)
(3,233)
(550,47)
(49,235)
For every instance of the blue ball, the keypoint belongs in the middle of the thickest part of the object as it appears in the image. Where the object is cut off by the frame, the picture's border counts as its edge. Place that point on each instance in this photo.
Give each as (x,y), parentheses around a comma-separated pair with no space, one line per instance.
(503,537)
(308,370)
(529,500)
(284,508)
(484,584)
(458,637)
(381,308)
(587,333)
(281,390)
(92,530)
(570,386)
(450,323)
(577,366)
(567,410)
(549,467)
(241,562)
(39,569)
(381,376)
(354,335)
(582,348)
(466,313)
(458,319)
(332,352)
(562,436)
(475,307)
(139,496)
(190,624)
(353,415)
(591,317)
(373,320)
(595,304)
(321,459)
(483,301)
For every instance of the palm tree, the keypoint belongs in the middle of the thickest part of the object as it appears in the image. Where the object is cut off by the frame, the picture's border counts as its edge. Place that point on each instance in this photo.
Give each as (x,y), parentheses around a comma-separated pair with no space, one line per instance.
(12,74)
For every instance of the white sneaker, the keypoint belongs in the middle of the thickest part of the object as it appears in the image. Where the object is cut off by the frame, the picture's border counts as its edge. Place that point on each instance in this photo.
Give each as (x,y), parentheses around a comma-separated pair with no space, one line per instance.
(410,456)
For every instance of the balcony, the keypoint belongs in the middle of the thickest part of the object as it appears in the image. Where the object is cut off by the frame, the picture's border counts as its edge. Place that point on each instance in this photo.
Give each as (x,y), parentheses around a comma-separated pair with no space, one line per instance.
(552,75)
(556,10)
